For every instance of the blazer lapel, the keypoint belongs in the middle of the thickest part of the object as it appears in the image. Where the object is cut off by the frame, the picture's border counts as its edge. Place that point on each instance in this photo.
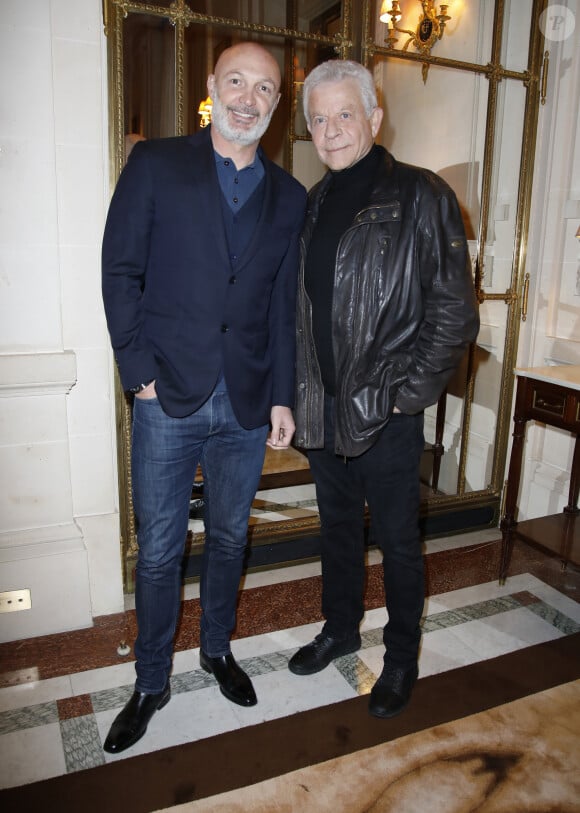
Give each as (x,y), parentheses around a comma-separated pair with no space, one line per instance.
(266,215)
(207,187)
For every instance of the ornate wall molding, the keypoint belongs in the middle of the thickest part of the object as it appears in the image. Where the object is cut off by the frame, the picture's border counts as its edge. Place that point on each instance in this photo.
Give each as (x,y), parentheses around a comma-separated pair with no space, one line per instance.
(27,374)
(49,540)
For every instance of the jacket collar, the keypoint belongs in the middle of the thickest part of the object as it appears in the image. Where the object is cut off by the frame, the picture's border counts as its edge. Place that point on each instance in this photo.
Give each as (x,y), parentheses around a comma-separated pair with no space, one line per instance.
(386,186)
(385,192)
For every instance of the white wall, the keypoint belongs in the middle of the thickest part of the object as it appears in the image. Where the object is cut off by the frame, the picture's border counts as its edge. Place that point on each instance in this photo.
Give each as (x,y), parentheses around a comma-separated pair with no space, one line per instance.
(59,519)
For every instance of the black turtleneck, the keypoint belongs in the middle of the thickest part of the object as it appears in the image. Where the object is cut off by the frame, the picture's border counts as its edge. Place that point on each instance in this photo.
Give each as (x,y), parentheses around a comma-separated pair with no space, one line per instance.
(346,195)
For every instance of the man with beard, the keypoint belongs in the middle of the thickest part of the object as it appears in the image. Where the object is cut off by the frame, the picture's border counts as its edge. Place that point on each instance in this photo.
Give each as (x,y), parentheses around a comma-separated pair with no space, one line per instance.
(200,262)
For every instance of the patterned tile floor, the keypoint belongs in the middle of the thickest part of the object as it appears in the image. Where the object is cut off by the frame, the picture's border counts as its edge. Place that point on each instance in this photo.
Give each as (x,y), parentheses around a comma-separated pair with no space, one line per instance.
(54,726)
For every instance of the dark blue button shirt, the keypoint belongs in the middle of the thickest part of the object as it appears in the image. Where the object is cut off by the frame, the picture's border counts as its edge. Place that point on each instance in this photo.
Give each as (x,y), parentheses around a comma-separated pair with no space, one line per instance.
(238,185)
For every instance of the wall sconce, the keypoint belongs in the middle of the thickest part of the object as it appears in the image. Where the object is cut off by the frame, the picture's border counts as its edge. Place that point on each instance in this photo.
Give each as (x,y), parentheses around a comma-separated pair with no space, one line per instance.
(430,27)
(204,110)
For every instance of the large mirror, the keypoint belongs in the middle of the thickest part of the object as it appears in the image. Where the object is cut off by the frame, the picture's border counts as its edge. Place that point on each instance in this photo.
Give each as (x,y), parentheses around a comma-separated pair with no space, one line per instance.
(466,109)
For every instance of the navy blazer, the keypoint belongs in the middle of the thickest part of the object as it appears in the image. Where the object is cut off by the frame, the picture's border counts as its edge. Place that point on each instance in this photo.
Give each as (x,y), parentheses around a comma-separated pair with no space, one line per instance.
(176,311)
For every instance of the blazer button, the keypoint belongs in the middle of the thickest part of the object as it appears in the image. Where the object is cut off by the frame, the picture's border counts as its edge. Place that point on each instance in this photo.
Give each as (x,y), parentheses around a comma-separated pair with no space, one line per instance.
(233,280)
(225,328)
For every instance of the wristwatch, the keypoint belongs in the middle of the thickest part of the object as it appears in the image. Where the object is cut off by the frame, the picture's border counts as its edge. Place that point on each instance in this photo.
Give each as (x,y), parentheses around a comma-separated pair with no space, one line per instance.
(139,387)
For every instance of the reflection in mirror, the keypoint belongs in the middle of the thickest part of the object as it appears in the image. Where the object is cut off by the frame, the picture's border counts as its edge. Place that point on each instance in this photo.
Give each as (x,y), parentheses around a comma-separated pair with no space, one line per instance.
(501,227)
(308,168)
(319,16)
(496,279)
(517,20)
(272,13)
(149,76)
(326,20)
(488,366)
(452,146)
(306,57)
(155,106)
(150,65)
(314,16)
(487,185)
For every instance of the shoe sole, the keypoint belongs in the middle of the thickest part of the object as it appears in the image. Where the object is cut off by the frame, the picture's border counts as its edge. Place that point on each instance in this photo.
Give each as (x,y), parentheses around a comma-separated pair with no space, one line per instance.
(298,670)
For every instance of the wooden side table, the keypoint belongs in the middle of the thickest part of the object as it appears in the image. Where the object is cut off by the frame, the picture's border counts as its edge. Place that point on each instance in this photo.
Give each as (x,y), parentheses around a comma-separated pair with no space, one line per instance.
(550,395)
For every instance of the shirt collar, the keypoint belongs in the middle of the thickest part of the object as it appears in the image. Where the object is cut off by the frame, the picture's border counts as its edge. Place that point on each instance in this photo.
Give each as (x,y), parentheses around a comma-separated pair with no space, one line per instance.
(256,166)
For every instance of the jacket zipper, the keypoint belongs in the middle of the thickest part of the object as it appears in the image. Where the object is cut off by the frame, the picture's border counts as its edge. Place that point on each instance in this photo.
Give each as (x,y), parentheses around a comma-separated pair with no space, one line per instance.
(309,357)
(356,316)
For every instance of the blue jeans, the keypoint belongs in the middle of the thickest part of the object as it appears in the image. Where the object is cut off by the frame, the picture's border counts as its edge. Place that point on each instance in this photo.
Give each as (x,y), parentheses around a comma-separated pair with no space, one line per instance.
(387,476)
(165,454)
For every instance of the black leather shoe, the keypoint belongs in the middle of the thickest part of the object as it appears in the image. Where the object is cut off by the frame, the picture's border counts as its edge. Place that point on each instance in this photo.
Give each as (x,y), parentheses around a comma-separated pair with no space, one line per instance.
(315,656)
(392,691)
(131,723)
(233,681)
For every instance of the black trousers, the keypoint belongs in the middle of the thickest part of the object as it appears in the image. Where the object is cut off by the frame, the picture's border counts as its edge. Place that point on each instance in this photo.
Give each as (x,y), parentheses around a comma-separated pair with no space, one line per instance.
(387,477)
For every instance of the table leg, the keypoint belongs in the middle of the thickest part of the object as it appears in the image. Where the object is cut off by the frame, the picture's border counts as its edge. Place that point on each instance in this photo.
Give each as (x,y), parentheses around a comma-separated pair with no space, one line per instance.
(571,510)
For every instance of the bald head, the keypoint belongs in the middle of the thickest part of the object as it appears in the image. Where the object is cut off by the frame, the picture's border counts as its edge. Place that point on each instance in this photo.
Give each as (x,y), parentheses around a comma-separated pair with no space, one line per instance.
(245,53)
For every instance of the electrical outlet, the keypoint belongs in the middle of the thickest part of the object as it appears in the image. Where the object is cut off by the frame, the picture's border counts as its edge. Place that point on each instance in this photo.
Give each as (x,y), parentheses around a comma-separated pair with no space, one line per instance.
(15,600)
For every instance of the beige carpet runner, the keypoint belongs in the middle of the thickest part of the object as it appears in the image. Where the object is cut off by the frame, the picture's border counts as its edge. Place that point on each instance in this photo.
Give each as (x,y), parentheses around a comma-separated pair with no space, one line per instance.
(521,756)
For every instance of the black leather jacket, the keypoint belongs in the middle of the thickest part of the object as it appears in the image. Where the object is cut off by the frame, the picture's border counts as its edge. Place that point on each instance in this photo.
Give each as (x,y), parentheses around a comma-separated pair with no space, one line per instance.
(403,308)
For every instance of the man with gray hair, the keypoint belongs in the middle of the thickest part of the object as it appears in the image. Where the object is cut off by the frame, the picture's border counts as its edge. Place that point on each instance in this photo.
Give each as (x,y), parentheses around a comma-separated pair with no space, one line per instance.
(386,309)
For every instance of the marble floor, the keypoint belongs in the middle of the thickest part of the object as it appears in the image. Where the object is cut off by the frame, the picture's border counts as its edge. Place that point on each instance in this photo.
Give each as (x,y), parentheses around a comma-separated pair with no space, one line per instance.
(56,725)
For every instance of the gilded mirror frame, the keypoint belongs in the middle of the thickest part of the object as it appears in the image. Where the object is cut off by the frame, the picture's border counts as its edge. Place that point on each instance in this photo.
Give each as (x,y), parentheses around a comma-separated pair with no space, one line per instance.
(354,40)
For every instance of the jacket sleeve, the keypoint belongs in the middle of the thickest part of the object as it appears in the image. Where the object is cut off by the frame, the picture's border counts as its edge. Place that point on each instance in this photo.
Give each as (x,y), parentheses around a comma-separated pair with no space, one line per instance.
(282,314)
(450,315)
(125,253)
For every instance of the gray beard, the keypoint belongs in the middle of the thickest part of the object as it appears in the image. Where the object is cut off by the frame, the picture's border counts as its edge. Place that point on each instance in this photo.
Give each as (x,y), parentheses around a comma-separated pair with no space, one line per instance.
(219,120)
